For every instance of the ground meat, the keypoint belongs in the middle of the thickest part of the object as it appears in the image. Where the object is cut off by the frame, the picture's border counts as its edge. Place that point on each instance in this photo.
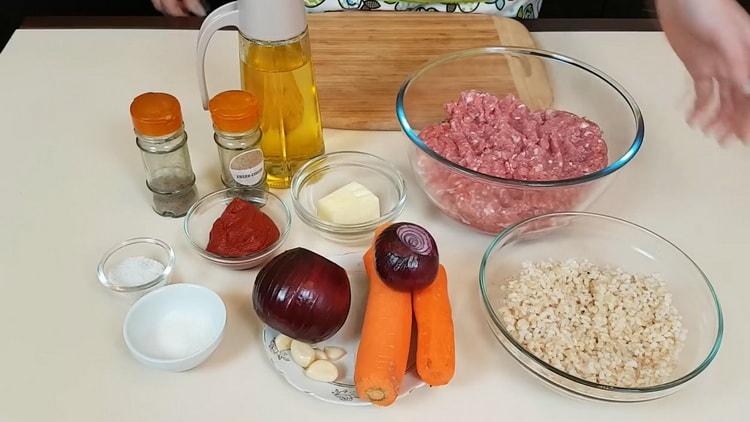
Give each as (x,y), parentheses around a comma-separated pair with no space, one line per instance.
(503,138)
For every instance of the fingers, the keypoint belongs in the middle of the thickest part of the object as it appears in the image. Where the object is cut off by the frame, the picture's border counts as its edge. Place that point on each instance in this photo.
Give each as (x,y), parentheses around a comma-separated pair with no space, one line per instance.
(738,110)
(741,118)
(732,116)
(720,125)
(173,8)
(195,7)
(739,72)
(179,7)
(738,69)
(704,95)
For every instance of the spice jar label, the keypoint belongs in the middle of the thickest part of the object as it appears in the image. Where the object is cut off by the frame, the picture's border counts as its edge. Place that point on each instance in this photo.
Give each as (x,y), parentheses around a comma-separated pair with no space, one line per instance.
(247,168)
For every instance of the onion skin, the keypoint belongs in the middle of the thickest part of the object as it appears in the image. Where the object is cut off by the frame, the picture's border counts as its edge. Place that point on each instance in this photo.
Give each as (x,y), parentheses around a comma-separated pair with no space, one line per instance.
(406,257)
(302,295)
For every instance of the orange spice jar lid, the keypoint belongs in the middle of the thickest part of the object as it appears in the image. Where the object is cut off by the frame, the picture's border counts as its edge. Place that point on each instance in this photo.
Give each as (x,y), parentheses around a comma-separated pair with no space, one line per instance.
(234,111)
(156,114)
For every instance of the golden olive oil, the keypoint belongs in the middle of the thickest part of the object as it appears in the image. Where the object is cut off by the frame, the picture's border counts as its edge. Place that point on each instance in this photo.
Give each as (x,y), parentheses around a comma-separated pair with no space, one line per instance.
(280,75)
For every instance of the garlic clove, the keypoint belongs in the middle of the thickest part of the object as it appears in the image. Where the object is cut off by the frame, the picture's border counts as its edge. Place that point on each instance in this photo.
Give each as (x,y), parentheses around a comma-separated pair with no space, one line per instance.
(283,342)
(302,353)
(320,355)
(334,353)
(323,371)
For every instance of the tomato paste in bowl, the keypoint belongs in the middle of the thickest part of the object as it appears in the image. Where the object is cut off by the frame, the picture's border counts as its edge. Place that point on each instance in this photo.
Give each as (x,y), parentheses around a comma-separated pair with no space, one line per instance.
(238,228)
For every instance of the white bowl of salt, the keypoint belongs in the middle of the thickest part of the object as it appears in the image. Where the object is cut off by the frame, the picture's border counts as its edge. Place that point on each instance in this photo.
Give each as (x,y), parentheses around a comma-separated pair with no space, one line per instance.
(176,327)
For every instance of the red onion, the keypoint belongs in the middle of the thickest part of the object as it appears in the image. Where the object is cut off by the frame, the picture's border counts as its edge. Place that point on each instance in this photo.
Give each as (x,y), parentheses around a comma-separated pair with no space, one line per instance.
(302,295)
(406,257)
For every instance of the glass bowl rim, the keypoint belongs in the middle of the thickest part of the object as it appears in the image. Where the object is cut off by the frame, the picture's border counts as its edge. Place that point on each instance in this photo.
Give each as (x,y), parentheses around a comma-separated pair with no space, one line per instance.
(245,258)
(389,170)
(105,280)
(519,51)
(610,388)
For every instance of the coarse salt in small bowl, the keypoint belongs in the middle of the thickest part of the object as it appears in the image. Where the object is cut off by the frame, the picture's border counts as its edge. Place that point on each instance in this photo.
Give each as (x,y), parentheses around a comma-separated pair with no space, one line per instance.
(329,172)
(201,216)
(136,265)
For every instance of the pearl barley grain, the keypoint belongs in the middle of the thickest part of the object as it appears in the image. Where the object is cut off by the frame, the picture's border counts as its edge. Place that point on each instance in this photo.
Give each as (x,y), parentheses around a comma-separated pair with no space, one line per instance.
(601,324)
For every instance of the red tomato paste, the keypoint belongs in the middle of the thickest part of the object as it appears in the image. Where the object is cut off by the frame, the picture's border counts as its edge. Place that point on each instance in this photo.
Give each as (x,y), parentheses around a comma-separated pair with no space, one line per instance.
(241,230)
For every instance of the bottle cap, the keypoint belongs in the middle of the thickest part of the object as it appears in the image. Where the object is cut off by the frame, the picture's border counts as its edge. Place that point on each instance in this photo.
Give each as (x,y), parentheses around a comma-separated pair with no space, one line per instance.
(234,111)
(156,114)
(271,20)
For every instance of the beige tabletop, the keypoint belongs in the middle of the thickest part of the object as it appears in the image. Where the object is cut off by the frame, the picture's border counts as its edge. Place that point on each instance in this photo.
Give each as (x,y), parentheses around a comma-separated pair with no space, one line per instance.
(72,185)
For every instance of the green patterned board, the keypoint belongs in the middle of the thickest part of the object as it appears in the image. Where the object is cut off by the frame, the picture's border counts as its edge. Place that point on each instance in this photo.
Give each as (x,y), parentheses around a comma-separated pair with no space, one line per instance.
(362,58)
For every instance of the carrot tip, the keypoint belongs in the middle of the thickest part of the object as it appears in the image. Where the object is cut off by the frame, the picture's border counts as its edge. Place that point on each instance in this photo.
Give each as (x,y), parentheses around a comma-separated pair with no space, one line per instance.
(375,394)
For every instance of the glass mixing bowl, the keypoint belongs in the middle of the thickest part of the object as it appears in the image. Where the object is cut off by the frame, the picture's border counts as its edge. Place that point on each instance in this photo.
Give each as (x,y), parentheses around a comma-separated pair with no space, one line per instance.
(604,241)
(540,79)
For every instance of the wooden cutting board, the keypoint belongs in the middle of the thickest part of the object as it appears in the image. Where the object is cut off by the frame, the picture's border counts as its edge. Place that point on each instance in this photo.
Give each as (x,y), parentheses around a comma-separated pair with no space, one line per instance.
(362,58)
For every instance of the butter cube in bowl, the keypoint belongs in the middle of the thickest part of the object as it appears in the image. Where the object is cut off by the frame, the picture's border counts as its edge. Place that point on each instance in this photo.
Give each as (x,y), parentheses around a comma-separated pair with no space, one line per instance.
(347,195)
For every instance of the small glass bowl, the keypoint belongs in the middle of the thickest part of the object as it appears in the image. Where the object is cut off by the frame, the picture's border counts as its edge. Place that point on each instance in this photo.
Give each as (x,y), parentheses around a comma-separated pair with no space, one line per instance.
(141,246)
(323,175)
(201,216)
(609,241)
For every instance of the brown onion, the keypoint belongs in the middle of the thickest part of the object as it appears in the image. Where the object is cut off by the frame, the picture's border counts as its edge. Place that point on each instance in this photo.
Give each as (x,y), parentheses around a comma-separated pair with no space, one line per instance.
(302,295)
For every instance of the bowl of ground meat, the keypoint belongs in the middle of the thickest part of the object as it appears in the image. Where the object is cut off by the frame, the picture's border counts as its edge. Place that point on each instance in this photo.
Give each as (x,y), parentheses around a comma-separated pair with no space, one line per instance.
(500,134)
(599,307)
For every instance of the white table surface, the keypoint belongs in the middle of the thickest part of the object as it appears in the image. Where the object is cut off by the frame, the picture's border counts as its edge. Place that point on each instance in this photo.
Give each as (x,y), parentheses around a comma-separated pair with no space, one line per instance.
(71,184)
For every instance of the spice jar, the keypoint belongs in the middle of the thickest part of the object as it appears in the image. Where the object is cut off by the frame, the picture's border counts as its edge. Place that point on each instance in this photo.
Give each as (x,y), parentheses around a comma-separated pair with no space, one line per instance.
(161,137)
(237,135)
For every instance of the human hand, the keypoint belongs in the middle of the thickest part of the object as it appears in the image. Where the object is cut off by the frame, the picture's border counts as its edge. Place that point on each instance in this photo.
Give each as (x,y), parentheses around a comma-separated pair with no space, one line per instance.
(180,7)
(713,41)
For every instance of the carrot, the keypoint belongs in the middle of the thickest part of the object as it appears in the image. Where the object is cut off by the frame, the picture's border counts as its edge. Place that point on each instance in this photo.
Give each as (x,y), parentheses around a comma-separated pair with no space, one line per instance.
(436,350)
(384,345)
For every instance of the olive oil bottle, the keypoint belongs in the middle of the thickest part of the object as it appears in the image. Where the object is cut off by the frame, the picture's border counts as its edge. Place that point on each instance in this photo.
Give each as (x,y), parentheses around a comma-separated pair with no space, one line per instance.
(280,75)
(276,67)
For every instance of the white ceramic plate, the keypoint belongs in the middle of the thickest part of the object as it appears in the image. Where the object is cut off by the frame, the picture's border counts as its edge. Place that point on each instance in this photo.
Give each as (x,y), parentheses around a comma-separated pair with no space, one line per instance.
(341,391)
